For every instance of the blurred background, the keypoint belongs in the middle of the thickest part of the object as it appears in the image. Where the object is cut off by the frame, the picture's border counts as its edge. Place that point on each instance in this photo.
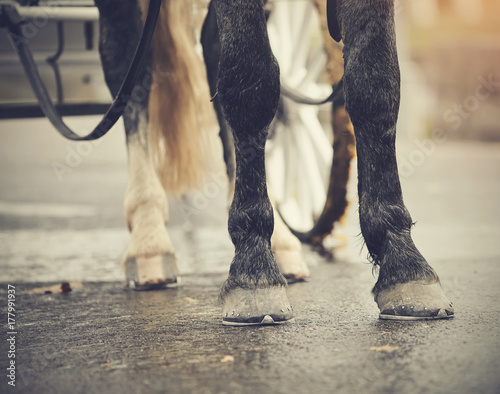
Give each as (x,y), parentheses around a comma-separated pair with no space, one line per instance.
(450,56)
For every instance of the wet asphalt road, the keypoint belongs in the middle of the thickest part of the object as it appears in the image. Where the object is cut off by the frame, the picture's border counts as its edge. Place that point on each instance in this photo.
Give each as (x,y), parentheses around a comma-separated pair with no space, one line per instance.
(100,338)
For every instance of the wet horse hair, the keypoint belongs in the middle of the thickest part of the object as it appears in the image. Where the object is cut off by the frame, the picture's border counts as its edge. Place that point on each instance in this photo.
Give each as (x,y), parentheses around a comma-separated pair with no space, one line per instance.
(165,131)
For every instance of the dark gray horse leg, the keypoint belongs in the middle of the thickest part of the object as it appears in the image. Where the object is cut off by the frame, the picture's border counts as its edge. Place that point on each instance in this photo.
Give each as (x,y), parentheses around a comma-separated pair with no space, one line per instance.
(407,286)
(211,53)
(149,261)
(248,88)
(285,246)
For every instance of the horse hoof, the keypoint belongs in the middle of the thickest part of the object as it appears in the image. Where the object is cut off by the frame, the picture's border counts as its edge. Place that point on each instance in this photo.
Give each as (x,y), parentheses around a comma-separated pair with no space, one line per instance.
(150,273)
(266,306)
(291,265)
(414,301)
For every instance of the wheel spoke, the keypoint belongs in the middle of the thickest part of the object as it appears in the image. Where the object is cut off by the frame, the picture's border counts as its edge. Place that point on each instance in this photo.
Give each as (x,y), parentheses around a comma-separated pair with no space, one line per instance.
(322,145)
(300,153)
(281,19)
(306,203)
(316,67)
(276,164)
(292,167)
(311,180)
(302,35)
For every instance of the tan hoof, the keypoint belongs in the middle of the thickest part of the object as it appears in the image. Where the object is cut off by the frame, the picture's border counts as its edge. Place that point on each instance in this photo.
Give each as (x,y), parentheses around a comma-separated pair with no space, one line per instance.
(267,306)
(414,301)
(291,265)
(150,273)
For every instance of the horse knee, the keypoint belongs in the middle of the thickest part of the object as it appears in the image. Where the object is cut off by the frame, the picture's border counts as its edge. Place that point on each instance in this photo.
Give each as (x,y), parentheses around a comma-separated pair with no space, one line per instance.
(249,96)
(248,77)
(372,76)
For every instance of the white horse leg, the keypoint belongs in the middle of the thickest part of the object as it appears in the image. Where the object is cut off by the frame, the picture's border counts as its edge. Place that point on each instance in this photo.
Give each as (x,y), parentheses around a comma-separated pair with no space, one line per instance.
(287,249)
(149,260)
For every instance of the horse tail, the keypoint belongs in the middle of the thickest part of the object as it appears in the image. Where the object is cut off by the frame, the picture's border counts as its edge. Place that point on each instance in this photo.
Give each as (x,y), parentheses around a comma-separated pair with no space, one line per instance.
(179,105)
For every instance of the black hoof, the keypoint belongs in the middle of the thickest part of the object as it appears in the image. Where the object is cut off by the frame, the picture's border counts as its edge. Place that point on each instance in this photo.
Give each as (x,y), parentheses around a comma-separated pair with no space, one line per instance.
(150,273)
(414,301)
(266,306)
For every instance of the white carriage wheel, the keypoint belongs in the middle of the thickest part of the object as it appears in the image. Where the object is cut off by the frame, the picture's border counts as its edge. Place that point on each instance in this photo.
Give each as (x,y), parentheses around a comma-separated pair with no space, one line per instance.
(299,152)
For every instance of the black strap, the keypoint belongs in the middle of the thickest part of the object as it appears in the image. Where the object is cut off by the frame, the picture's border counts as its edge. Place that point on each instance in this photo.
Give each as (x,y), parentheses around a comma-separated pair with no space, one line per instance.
(332,18)
(117,107)
(302,99)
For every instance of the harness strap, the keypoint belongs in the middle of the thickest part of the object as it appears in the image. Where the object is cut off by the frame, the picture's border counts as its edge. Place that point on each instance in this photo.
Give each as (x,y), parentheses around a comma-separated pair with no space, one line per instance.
(333,20)
(20,43)
(302,99)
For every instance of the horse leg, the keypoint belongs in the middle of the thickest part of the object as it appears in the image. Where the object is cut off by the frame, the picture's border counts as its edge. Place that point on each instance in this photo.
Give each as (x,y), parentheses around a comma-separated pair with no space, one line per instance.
(149,261)
(286,247)
(248,87)
(407,286)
